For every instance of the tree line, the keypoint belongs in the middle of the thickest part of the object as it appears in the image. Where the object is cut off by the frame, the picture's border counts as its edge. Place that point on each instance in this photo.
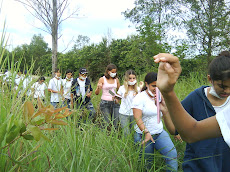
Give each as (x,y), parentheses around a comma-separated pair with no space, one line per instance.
(205,24)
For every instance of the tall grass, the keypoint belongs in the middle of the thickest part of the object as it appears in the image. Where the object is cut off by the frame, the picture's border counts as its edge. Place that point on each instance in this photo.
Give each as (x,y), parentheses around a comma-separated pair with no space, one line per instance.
(77,147)
(84,147)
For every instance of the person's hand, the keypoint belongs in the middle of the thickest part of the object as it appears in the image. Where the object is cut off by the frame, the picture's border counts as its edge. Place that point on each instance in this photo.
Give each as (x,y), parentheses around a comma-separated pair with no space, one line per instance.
(99,85)
(178,138)
(88,94)
(163,107)
(117,100)
(168,71)
(148,137)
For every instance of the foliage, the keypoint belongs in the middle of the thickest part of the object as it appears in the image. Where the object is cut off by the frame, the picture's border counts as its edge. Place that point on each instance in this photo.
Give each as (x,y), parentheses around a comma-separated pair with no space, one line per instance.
(35,54)
(207,24)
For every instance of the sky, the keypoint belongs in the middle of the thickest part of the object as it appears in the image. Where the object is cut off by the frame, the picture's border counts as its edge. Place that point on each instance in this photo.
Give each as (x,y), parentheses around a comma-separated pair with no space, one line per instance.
(96,19)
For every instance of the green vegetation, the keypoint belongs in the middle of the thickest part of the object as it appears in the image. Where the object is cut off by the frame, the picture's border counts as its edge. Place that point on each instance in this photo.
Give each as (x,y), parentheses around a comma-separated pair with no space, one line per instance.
(77,147)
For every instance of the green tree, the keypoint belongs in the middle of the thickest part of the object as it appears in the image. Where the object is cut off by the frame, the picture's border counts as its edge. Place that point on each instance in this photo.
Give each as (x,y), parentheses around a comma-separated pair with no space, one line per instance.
(208,26)
(32,54)
(153,18)
(21,54)
(38,48)
(100,57)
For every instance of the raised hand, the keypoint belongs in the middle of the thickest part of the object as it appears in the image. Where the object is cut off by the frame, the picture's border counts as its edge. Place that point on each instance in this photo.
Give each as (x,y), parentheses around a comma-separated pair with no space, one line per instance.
(168,71)
(99,85)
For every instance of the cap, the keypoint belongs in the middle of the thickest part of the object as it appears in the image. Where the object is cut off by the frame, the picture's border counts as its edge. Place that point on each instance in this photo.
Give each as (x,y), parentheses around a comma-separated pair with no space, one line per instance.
(83,70)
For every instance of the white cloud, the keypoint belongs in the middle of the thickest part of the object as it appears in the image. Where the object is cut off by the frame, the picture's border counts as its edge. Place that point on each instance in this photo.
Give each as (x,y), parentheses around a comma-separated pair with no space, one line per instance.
(106,9)
(100,15)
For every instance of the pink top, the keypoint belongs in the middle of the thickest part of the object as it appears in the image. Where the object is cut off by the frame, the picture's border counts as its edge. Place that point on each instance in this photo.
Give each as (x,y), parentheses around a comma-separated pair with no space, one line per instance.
(105,90)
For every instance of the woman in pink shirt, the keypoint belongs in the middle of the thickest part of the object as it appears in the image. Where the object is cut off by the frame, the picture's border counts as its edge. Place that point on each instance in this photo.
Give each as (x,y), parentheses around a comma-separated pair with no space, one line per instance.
(108,105)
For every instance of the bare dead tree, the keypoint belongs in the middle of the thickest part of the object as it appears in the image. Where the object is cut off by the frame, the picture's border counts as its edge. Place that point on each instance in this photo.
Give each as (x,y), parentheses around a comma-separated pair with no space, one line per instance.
(51,14)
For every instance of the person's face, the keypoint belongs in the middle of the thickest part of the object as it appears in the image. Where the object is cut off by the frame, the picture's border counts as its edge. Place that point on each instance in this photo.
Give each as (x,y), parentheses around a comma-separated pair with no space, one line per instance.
(222,88)
(82,75)
(132,77)
(69,75)
(58,74)
(41,81)
(112,71)
(152,86)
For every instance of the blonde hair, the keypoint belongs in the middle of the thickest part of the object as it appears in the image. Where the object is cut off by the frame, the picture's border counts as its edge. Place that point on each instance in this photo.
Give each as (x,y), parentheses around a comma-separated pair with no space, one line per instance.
(126,79)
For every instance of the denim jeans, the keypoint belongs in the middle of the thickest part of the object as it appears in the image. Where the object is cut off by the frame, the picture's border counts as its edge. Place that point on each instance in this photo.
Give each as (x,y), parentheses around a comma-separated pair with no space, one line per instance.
(110,112)
(66,102)
(89,107)
(164,145)
(127,123)
(54,104)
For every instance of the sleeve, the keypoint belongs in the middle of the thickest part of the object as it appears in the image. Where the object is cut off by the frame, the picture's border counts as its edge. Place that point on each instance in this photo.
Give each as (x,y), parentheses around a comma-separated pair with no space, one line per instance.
(223,119)
(138,102)
(50,84)
(138,89)
(120,91)
(72,86)
(33,86)
(45,86)
(90,86)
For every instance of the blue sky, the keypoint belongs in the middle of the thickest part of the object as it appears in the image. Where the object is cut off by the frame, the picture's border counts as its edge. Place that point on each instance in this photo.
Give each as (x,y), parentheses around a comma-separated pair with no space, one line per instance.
(96,17)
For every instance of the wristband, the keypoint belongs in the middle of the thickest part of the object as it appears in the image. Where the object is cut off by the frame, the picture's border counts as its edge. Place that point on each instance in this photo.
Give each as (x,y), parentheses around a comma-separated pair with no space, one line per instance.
(145,131)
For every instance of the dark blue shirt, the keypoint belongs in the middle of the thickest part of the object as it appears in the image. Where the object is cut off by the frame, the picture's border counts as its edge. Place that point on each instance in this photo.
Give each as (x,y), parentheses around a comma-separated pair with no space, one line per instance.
(210,155)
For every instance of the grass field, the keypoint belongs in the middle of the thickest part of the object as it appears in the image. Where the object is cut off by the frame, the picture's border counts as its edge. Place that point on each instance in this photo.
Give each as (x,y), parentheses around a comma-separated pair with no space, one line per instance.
(84,147)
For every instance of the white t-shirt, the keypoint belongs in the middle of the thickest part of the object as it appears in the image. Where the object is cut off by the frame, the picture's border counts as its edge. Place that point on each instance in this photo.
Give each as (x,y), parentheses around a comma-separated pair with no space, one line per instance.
(223,119)
(55,85)
(126,102)
(26,82)
(82,87)
(221,107)
(17,81)
(149,113)
(39,90)
(67,88)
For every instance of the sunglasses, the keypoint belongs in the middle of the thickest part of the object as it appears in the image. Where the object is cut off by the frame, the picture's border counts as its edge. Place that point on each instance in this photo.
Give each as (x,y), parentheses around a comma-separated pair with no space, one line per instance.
(85,74)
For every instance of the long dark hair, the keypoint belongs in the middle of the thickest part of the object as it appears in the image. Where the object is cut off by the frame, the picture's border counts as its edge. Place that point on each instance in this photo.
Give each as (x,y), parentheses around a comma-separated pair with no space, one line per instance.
(149,78)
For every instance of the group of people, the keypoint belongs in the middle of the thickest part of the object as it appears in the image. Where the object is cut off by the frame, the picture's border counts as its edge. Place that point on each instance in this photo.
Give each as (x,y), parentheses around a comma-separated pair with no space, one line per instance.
(19,78)
(137,106)
(200,119)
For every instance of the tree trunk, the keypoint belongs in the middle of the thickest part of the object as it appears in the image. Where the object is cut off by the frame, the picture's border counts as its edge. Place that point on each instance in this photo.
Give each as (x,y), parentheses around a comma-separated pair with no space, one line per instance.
(54,37)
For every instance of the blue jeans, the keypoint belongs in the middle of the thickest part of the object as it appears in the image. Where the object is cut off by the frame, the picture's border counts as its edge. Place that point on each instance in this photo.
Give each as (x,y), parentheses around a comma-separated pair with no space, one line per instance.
(66,102)
(127,123)
(89,107)
(164,144)
(54,104)
(110,112)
